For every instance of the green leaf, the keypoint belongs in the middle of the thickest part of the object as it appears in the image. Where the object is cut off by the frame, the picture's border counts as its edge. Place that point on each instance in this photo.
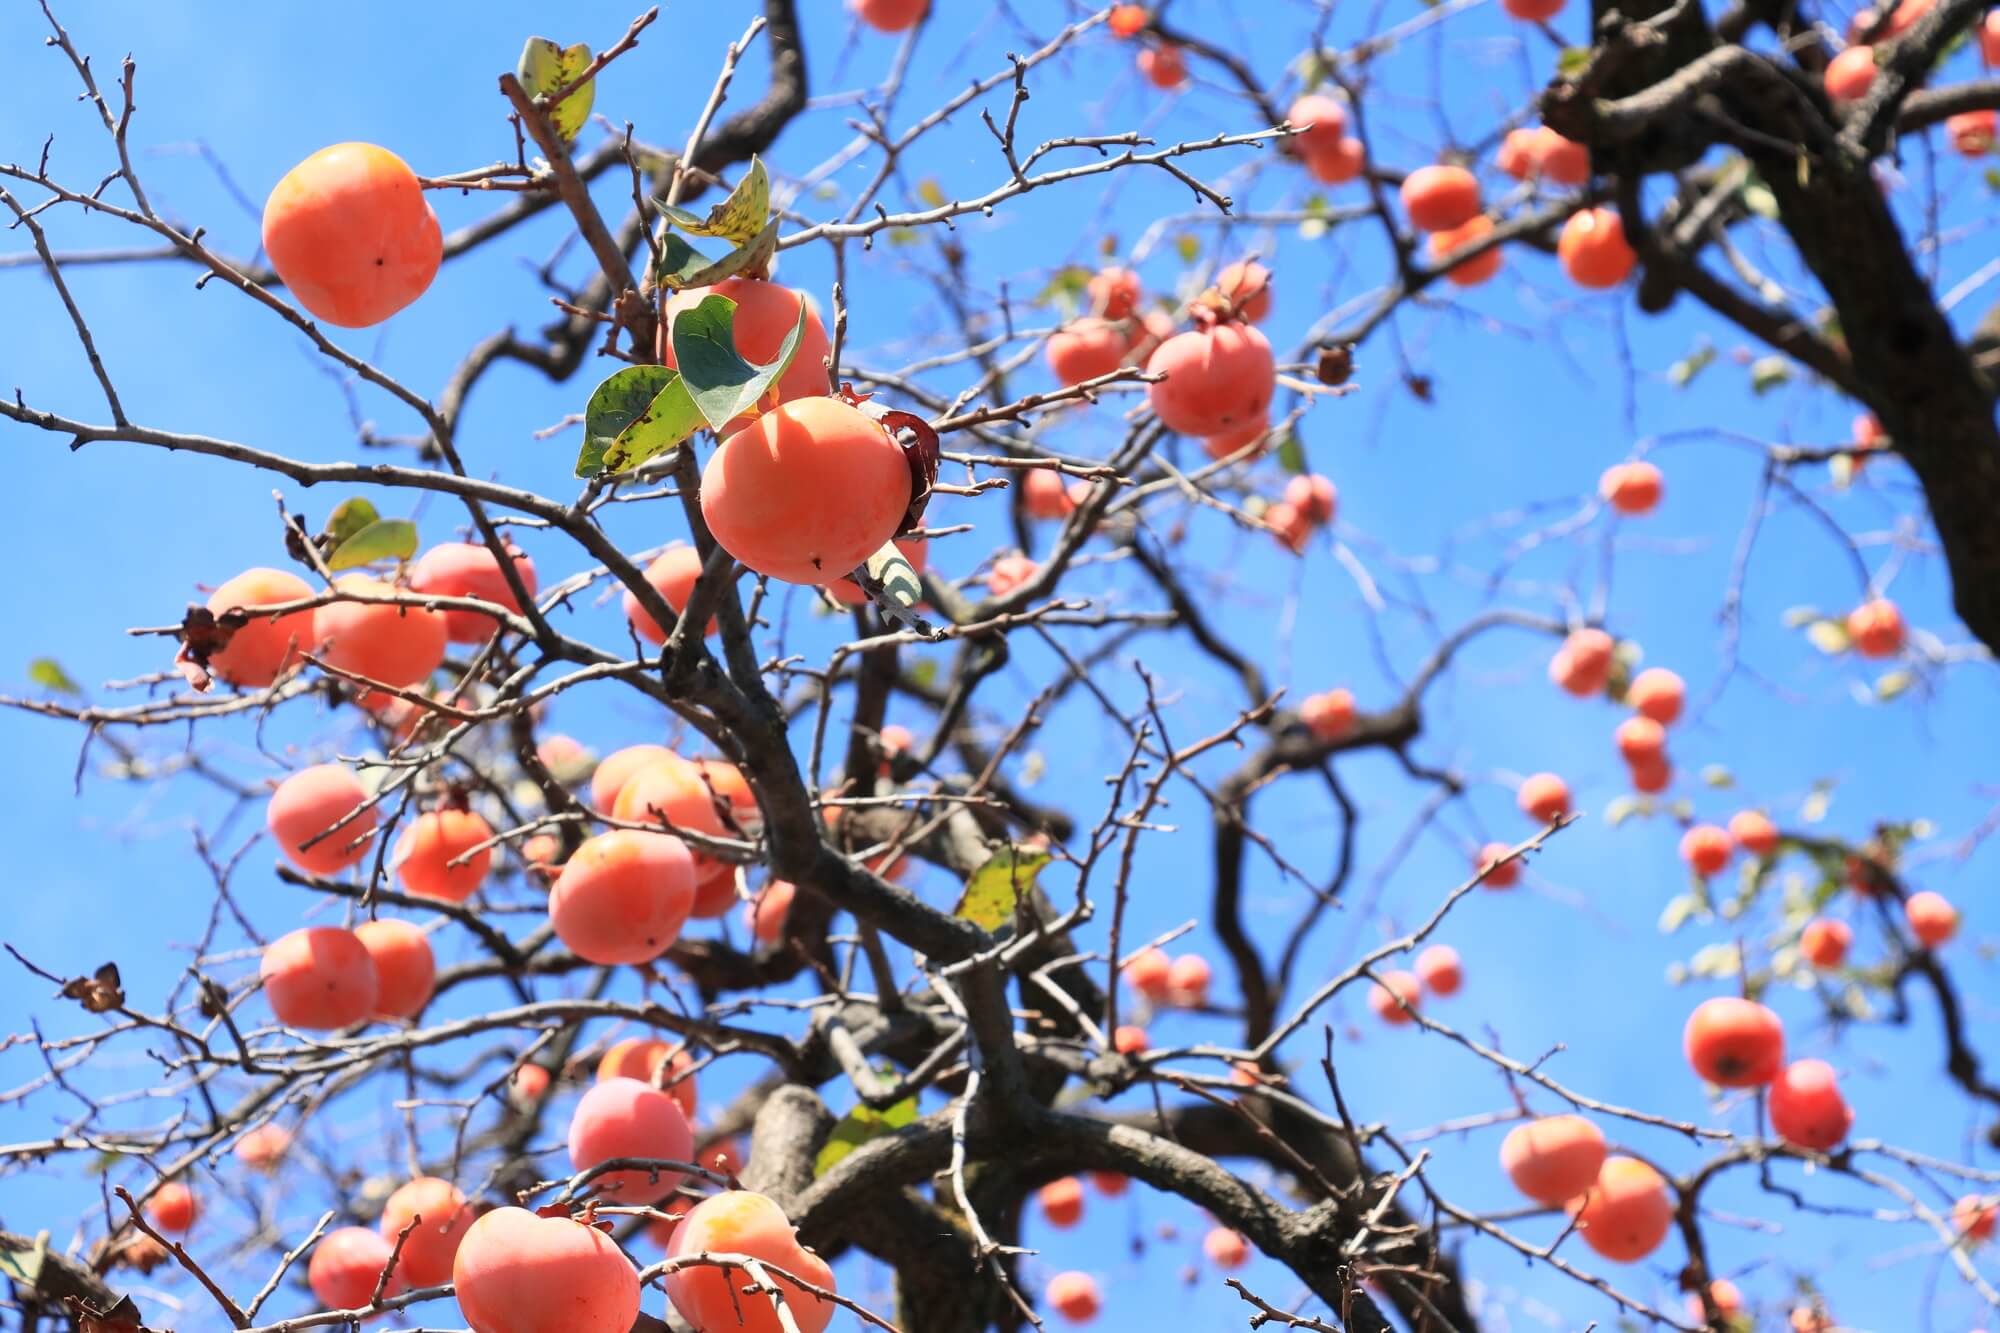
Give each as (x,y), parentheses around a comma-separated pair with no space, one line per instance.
(1292,454)
(384,539)
(1715,775)
(995,889)
(635,414)
(1573,61)
(1188,247)
(931,192)
(1682,372)
(25,1266)
(1768,373)
(924,671)
(859,1126)
(545,68)
(901,590)
(737,219)
(49,674)
(682,266)
(1992,178)
(347,518)
(722,384)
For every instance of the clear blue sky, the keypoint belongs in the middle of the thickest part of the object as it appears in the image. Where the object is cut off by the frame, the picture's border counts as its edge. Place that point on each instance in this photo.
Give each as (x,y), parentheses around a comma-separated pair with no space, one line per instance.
(1536,391)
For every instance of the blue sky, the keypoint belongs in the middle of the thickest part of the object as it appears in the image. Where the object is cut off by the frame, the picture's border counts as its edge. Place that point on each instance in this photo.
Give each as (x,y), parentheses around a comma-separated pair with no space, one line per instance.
(1536,391)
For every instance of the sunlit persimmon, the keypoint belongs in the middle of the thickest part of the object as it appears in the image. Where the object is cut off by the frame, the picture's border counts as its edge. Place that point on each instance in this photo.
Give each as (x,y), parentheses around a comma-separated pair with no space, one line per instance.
(1009,572)
(1439,969)
(1440,197)
(1043,495)
(263,646)
(1973,1217)
(1328,715)
(1754,832)
(1593,250)
(766,313)
(318,978)
(1554,1158)
(807,492)
(1806,1107)
(1933,920)
(1226,1249)
(1627,1211)
(768,910)
(1563,161)
(264,1147)
(1394,998)
(1583,663)
(1338,164)
(1824,942)
(1113,293)
(1650,777)
(1130,1039)
(1631,488)
(1246,285)
(1500,874)
(1127,20)
(623,1117)
(1533,11)
(350,233)
(1187,981)
(1849,74)
(308,807)
(672,573)
(711,1298)
(1321,122)
(1074,1297)
(1233,442)
(1164,66)
(1734,1043)
(1217,379)
(347,1265)
(890,16)
(405,969)
(1640,739)
(1876,628)
(1086,349)
(388,644)
(685,794)
(623,897)
(660,1063)
(1467,272)
(1061,1201)
(427,856)
(516,1272)
(617,769)
(172,1208)
(1706,849)
(1972,132)
(1657,693)
(1314,496)
(468,569)
(1147,974)
(1544,797)
(437,1215)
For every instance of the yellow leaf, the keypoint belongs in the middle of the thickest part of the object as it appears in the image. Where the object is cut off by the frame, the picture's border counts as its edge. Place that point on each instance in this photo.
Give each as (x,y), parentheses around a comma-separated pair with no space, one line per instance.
(545,68)
(995,889)
(737,219)
(931,192)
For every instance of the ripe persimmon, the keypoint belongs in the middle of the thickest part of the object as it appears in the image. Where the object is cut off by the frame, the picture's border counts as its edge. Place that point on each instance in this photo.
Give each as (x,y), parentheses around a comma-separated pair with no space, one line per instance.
(349,231)
(467,569)
(1593,251)
(672,573)
(1627,1211)
(1631,488)
(807,492)
(1440,197)
(265,645)
(1218,379)
(1806,1106)
(1467,272)
(1734,1043)
(765,315)
(1554,1158)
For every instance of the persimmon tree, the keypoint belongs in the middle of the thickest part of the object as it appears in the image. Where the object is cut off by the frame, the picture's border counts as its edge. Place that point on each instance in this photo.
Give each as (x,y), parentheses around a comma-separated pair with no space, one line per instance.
(843,946)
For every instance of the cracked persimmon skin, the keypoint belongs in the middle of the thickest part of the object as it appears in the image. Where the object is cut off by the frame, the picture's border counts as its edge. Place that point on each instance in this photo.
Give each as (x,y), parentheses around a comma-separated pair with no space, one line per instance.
(623,897)
(466,569)
(1734,1043)
(351,234)
(346,1265)
(765,314)
(265,645)
(319,978)
(807,492)
(1218,380)
(433,1243)
(310,802)
(519,1273)
(405,968)
(1553,1159)
(624,1117)
(748,1223)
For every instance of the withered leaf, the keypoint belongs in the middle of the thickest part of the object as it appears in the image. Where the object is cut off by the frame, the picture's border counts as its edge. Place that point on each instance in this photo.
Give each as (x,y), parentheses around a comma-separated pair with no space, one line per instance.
(1336,364)
(98,992)
(122,1317)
